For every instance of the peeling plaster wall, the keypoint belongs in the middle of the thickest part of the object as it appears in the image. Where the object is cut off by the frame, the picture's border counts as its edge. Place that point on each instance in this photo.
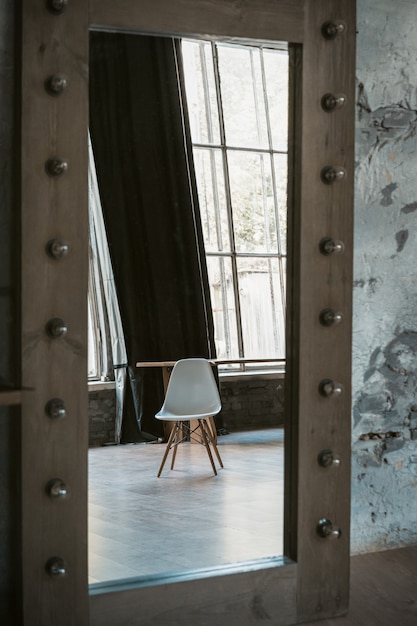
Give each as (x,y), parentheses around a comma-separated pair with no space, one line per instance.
(384,440)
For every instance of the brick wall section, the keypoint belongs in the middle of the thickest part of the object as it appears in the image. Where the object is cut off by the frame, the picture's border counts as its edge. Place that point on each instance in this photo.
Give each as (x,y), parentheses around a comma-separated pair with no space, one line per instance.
(247,403)
(101,414)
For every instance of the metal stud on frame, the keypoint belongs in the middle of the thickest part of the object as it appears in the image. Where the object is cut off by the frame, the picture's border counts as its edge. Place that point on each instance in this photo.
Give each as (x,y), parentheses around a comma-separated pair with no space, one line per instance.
(56,6)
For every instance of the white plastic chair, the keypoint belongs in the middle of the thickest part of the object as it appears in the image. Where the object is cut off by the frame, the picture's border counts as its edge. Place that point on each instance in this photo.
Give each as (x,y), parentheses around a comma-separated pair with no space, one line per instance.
(192,394)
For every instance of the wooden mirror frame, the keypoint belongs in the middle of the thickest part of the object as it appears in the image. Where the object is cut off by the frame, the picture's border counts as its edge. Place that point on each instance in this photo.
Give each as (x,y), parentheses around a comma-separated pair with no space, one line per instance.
(312,580)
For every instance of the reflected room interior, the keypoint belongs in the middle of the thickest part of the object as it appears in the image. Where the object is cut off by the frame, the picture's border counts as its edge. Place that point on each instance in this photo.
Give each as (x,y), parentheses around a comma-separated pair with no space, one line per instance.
(188,220)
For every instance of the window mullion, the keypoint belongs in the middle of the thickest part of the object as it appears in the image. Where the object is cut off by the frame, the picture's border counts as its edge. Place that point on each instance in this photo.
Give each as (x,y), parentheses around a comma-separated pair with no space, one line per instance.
(256,150)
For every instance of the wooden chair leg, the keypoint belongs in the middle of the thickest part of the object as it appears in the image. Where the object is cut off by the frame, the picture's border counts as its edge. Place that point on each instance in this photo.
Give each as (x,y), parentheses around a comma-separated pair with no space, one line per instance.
(175,442)
(212,429)
(216,450)
(213,443)
(207,445)
(168,447)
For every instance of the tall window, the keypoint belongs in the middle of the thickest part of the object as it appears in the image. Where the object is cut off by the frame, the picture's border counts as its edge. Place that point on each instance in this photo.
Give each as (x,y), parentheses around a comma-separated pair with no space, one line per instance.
(237,99)
(237,102)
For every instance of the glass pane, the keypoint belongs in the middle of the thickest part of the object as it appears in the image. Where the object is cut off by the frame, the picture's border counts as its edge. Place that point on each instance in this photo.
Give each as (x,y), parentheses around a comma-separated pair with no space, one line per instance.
(276,77)
(281,183)
(224,306)
(252,202)
(242,97)
(201,92)
(262,310)
(209,171)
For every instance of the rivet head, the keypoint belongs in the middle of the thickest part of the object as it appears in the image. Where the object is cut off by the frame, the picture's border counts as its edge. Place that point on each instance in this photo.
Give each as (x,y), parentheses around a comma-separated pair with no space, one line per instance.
(56,6)
(330,102)
(56,167)
(330,30)
(56,488)
(56,249)
(55,408)
(328,317)
(330,175)
(55,566)
(55,84)
(326,530)
(329,246)
(56,327)
(330,389)
(327,458)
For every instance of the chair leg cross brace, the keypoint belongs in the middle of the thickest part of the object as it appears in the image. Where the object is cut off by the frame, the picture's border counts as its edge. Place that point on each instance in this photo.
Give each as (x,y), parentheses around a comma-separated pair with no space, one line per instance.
(177,436)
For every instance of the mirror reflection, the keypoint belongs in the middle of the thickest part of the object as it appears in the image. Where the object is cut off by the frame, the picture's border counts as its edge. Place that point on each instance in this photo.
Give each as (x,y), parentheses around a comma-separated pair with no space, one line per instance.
(188,206)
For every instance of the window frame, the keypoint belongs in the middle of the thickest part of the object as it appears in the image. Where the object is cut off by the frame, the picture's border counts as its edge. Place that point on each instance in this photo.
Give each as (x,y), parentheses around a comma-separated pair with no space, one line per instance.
(230,250)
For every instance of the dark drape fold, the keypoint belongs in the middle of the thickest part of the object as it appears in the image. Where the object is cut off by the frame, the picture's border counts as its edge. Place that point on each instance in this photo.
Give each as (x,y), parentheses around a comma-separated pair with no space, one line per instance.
(142,149)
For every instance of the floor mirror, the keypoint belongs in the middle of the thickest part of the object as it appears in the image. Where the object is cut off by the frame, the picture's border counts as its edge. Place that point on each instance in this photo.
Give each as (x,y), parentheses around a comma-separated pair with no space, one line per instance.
(311,579)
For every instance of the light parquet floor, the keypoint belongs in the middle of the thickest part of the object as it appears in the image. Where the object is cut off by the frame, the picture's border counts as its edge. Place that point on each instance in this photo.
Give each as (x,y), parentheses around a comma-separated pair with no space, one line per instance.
(141,525)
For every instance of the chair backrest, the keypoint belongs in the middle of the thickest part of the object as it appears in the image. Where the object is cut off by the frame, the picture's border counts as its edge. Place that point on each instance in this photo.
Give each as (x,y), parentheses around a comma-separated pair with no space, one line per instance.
(192,389)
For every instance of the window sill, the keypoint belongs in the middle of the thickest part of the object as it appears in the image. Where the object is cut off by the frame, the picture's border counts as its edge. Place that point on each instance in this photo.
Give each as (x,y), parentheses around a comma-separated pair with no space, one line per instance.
(101,385)
(252,375)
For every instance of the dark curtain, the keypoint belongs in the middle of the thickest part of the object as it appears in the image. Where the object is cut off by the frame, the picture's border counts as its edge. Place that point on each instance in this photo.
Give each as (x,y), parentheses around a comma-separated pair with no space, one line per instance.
(142,149)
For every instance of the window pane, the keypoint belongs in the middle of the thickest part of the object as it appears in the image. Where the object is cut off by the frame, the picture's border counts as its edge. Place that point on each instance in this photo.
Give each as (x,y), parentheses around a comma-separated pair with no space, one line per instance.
(252,202)
(201,92)
(276,75)
(224,306)
(212,199)
(261,308)
(242,97)
(281,182)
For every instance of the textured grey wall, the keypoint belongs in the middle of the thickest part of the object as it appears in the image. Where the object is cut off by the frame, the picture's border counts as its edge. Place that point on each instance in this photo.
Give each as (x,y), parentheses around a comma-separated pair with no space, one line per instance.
(384,487)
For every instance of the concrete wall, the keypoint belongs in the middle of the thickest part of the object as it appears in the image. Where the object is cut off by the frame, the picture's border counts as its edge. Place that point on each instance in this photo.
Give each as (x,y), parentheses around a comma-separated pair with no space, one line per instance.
(384,471)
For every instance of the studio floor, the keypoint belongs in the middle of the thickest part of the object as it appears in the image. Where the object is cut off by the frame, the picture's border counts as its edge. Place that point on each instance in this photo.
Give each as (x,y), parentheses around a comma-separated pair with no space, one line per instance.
(141,525)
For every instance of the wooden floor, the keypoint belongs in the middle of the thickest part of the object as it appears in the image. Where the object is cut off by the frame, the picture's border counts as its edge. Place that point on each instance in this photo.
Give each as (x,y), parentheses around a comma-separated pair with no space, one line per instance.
(383,590)
(141,525)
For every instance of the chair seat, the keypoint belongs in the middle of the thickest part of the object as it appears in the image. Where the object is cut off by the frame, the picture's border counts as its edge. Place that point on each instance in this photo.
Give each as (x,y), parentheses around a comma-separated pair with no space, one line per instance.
(171,417)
